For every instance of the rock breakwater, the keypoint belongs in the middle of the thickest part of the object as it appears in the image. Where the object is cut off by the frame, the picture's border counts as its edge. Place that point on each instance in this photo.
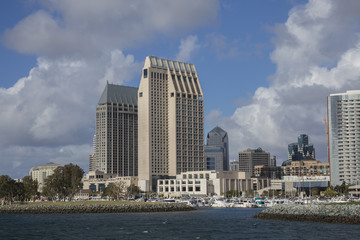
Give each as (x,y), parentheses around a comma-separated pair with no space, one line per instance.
(93,208)
(349,214)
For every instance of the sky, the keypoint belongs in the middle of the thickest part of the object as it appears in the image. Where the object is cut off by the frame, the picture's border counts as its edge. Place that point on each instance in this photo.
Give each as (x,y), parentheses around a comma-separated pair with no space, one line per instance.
(265,67)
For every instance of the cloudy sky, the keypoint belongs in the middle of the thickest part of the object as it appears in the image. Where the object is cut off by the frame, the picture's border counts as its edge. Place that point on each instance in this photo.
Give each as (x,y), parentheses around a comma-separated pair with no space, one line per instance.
(266,68)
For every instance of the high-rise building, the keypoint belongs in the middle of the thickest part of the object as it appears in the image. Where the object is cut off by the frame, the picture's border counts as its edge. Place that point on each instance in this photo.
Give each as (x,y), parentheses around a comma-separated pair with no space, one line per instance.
(217,150)
(301,150)
(344,137)
(92,158)
(116,149)
(171,120)
(252,157)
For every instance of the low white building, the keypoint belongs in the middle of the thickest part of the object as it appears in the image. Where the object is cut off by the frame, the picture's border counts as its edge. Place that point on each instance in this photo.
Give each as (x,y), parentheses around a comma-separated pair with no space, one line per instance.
(40,173)
(208,183)
(97,180)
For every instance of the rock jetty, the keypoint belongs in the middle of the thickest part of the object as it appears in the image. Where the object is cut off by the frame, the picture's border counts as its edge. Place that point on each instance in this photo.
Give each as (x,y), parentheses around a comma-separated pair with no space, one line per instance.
(349,214)
(92,208)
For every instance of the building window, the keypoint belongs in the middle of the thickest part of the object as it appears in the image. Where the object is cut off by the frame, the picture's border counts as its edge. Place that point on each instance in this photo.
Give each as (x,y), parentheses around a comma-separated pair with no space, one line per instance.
(145,73)
(140,94)
(172,94)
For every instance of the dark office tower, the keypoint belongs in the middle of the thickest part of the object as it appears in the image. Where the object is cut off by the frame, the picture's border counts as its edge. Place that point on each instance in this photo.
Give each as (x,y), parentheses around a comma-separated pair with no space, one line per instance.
(116,149)
(217,150)
(301,150)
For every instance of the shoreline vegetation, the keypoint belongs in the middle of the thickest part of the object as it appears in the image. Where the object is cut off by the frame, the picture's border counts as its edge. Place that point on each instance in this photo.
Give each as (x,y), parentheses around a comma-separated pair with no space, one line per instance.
(327,213)
(92,207)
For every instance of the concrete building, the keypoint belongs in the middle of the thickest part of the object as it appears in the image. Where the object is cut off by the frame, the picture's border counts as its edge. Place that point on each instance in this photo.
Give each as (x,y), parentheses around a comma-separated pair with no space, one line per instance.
(92,158)
(252,157)
(116,137)
(344,137)
(234,165)
(217,150)
(96,181)
(306,168)
(301,150)
(209,183)
(171,119)
(40,173)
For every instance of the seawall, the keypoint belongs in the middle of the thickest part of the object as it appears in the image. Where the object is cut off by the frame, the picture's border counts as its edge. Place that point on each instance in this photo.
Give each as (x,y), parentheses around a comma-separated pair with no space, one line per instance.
(349,214)
(93,208)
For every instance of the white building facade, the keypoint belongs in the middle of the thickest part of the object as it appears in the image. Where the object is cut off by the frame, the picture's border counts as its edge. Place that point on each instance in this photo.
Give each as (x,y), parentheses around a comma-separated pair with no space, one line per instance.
(344,137)
(40,173)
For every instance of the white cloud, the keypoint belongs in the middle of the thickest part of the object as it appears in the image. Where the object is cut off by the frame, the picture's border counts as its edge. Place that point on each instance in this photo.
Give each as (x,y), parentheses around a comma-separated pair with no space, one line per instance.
(83,27)
(317,52)
(49,115)
(187,47)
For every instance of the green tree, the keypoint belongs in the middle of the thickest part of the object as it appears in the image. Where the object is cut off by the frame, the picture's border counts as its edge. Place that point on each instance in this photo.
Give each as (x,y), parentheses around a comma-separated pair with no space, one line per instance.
(64,182)
(30,187)
(330,192)
(314,191)
(113,190)
(7,189)
(132,190)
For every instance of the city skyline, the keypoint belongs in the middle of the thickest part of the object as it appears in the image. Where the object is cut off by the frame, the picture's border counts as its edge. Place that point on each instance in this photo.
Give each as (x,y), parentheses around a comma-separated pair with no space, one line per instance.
(266,69)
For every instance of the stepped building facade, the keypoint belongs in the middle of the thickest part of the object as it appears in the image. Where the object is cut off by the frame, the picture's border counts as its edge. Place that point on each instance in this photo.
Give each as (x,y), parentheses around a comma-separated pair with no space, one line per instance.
(171,120)
(116,136)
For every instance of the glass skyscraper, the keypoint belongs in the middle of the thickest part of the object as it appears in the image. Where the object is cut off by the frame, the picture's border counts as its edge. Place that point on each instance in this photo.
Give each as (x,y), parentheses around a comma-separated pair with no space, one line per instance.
(217,150)
(344,137)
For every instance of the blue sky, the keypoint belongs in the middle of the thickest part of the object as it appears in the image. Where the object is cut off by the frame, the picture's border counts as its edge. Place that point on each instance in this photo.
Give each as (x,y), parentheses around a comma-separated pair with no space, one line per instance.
(265,68)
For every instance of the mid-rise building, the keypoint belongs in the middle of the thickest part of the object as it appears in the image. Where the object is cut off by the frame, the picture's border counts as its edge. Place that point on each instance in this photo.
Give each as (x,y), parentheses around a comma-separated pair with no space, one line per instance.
(217,150)
(306,168)
(171,120)
(40,173)
(344,137)
(116,137)
(272,172)
(252,157)
(301,150)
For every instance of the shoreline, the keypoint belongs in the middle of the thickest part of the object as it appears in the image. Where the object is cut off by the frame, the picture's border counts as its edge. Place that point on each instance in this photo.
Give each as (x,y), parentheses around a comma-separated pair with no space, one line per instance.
(69,208)
(346,214)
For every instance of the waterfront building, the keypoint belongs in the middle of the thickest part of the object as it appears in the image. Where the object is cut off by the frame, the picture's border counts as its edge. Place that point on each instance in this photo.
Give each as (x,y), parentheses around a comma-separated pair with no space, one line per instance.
(96,181)
(171,120)
(40,173)
(252,157)
(301,150)
(344,137)
(116,150)
(272,172)
(209,183)
(306,168)
(234,165)
(217,150)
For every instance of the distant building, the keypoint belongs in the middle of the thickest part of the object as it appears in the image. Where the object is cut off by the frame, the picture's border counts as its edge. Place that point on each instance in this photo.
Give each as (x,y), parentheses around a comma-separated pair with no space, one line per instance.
(171,119)
(272,161)
(92,158)
(217,150)
(301,150)
(306,168)
(251,157)
(116,137)
(234,165)
(40,173)
(272,172)
(344,137)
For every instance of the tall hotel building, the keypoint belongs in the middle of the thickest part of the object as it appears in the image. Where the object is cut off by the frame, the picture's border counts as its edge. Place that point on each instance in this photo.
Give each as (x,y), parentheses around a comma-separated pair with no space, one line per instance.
(344,137)
(171,120)
(116,148)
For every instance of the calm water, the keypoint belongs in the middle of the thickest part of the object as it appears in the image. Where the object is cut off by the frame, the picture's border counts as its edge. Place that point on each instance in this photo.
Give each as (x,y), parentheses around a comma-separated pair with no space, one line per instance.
(205,223)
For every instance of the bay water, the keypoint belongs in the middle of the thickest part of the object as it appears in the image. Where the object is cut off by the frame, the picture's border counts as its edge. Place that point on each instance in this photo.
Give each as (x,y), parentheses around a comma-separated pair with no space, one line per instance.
(204,223)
